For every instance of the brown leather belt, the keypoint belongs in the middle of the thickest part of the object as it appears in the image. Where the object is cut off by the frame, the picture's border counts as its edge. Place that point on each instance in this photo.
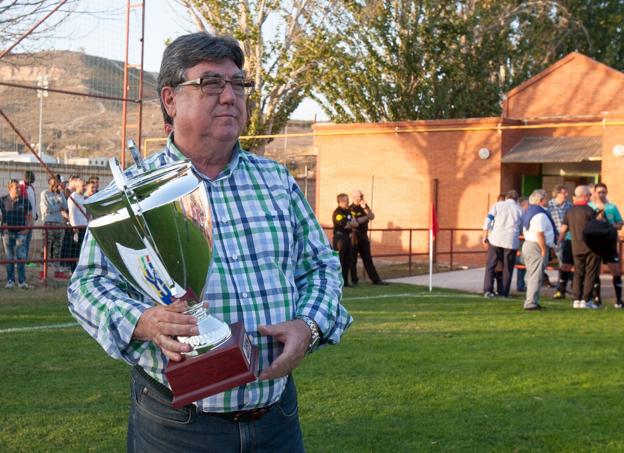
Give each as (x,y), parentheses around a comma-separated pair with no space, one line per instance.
(242,416)
(238,416)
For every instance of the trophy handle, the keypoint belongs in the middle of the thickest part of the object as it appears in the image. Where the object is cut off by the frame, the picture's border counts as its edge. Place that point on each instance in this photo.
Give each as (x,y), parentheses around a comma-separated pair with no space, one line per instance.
(134,151)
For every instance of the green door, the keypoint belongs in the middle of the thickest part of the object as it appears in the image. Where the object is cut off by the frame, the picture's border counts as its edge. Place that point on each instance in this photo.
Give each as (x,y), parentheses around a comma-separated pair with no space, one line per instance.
(529,184)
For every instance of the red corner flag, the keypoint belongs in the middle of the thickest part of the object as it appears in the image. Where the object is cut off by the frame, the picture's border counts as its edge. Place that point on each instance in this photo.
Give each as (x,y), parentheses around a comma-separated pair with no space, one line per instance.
(433,222)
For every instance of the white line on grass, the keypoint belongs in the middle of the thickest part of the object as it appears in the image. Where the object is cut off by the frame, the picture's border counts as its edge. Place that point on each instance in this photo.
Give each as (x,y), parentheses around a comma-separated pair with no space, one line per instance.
(387,296)
(380,296)
(42,327)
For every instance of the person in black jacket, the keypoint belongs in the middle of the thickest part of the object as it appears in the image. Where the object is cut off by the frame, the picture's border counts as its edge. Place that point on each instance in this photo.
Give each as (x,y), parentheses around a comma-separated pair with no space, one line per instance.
(363,214)
(586,262)
(344,223)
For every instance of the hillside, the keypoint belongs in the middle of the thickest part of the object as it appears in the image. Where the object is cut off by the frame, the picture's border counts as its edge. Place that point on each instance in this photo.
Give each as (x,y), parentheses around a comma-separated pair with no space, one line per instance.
(80,126)
(73,126)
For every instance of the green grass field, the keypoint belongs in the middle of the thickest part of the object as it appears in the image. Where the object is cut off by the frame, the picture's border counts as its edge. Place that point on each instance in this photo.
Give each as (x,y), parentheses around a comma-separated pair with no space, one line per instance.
(416,372)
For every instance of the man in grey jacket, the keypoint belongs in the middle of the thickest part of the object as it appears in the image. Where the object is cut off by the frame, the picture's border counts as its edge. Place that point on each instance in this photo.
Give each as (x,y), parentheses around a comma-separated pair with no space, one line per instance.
(53,207)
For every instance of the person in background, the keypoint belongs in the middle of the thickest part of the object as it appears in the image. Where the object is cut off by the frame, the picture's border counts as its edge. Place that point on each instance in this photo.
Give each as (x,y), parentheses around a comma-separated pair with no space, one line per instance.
(586,263)
(557,208)
(523,202)
(363,214)
(27,190)
(498,271)
(52,204)
(68,245)
(16,211)
(77,219)
(501,234)
(95,180)
(90,189)
(344,224)
(609,250)
(540,234)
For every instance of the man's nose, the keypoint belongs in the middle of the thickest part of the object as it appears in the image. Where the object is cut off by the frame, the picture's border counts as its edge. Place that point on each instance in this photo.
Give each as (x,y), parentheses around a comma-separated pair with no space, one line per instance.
(227,96)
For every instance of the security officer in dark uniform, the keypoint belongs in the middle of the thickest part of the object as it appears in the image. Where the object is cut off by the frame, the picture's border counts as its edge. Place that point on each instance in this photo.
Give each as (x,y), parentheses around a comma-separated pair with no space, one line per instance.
(343,225)
(361,245)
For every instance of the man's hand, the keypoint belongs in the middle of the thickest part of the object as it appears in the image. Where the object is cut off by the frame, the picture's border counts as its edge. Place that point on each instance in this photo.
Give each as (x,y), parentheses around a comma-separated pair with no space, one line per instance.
(295,335)
(162,323)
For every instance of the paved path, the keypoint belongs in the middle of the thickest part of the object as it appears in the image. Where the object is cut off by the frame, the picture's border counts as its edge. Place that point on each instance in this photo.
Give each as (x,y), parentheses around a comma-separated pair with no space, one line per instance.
(471,280)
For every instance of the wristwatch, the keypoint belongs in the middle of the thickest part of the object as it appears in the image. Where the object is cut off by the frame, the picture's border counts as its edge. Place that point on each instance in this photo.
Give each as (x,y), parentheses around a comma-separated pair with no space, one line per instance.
(315,338)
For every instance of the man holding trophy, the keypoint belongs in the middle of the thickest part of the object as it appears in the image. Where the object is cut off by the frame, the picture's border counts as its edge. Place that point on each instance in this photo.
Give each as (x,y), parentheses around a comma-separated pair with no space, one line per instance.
(271,269)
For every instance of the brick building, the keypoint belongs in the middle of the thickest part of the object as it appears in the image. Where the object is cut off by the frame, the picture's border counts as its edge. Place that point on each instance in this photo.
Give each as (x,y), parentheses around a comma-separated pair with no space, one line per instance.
(564,125)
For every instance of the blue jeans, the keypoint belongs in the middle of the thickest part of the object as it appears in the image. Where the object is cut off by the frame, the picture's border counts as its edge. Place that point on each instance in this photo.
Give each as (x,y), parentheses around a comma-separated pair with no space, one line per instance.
(155,426)
(15,247)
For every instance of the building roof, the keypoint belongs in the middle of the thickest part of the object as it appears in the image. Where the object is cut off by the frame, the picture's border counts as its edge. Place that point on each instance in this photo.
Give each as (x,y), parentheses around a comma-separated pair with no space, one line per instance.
(554,149)
(11,156)
(575,86)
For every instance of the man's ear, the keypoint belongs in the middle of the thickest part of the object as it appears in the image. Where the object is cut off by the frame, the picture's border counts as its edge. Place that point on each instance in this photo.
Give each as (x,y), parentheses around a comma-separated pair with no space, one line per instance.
(167,97)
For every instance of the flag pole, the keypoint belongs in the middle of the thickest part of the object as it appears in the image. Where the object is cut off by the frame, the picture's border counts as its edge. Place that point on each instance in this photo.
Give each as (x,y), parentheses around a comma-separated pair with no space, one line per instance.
(430,259)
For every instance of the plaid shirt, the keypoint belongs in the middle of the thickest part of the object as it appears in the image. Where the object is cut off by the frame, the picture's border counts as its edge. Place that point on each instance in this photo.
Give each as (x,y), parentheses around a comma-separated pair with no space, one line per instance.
(558,212)
(271,263)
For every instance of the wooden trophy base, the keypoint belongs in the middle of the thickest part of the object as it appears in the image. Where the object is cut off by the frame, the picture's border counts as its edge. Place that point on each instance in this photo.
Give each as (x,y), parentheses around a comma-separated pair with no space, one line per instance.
(233,363)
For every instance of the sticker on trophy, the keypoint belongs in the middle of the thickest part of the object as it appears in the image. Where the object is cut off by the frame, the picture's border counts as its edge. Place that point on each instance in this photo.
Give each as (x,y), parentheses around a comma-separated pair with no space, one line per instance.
(145,274)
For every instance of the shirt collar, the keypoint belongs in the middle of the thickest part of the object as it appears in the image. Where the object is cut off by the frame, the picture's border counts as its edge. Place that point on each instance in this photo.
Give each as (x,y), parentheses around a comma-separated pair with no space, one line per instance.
(175,154)
(581,203)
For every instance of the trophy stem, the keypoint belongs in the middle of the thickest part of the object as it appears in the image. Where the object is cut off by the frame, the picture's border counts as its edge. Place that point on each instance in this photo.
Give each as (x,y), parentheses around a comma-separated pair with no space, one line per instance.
(212,331)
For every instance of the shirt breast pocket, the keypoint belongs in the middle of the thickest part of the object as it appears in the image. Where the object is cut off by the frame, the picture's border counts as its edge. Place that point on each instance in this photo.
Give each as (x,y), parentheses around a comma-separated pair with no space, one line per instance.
(271,234)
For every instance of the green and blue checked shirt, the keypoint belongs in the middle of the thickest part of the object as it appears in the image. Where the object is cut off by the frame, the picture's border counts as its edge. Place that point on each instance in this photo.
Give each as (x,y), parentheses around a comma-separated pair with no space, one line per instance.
(271,263)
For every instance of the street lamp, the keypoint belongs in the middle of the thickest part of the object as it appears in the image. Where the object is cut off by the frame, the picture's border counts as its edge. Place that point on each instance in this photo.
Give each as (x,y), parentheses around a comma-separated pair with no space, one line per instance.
(42,82)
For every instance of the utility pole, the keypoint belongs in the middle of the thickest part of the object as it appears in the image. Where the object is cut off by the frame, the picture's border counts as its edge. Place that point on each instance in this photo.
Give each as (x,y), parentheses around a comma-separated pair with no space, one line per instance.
(42,82)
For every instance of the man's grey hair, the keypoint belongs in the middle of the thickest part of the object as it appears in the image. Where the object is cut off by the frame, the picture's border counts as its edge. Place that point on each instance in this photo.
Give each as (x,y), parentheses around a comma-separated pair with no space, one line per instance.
(537,196)
(189,50)
(582,191)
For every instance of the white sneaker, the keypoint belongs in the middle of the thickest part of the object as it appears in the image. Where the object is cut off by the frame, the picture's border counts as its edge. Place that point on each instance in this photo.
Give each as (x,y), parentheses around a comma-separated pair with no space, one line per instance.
(24,286)
(577,303)
(10,284)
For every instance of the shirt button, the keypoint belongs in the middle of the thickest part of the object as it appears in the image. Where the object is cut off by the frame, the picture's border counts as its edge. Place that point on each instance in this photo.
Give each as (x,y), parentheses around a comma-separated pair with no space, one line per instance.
(235,257)
(244,295)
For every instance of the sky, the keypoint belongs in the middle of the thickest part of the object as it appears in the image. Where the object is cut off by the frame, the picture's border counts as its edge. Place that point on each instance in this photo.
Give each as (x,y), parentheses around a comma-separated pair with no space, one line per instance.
(164,20)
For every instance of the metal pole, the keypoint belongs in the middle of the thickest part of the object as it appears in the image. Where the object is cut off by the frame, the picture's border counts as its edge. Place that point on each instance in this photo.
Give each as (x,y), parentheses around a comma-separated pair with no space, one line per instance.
(305,182)
(451,248)
(409,260)
(141,74)
(436,183)
(42,83)
(371,201)
(285,138)
(40,147)
(124,91)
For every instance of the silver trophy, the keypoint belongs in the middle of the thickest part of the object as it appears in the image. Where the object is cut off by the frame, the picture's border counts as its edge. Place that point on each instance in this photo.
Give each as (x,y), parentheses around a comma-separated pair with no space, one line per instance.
(156,229)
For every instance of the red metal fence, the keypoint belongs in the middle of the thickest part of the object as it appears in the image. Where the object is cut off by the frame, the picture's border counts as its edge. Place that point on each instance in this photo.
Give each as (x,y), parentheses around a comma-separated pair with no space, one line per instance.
(39,250)
(453,246)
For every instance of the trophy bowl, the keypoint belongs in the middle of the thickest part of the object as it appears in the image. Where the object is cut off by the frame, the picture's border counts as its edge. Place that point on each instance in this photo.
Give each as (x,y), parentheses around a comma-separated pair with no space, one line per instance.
(156,229)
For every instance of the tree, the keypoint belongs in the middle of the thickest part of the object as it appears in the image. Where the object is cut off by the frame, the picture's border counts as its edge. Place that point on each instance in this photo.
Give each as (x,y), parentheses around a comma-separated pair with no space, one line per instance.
(278,38)
(402,60)
(18,16)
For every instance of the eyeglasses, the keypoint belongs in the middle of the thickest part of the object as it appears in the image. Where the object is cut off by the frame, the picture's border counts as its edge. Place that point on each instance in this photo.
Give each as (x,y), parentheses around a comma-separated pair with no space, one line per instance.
(211,85)
(601,192)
